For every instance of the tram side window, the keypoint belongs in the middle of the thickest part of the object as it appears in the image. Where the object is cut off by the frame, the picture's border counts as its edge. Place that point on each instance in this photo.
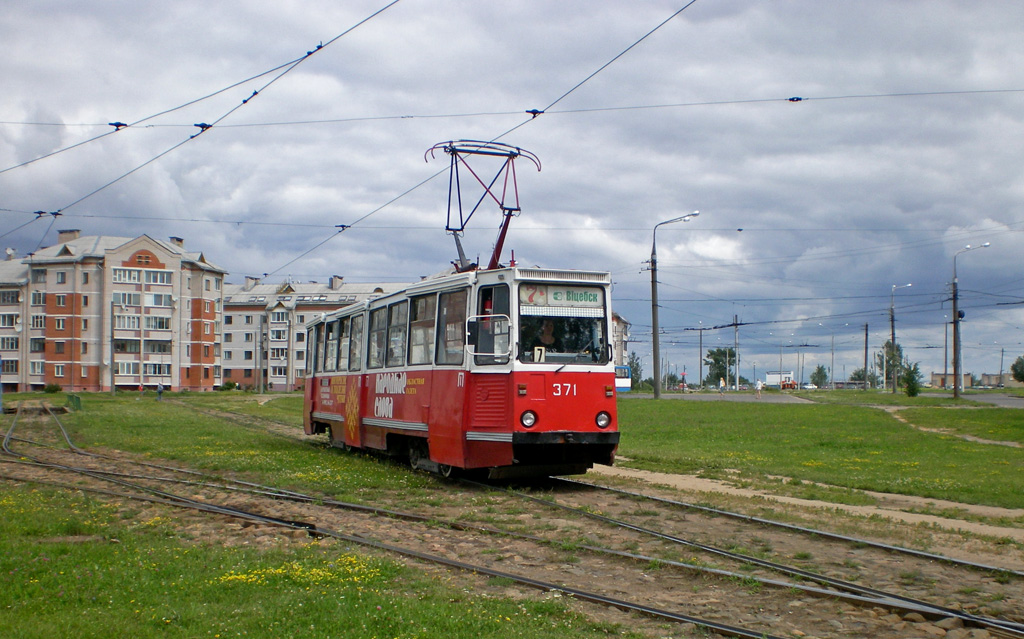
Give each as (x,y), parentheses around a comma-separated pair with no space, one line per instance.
(343,344)
(421,328)
(398,320)
(315,348)
(493,336)
(331,356)
(378,337)
(451,322)
(355,359)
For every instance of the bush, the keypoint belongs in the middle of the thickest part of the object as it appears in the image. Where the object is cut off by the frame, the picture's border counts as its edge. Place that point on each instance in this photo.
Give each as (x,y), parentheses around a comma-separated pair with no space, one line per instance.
(52,388)
(228,385)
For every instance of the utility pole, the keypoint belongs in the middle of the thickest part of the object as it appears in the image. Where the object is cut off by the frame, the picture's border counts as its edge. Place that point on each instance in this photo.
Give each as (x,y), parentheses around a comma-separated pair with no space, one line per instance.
(656,339)
(957,363)
(865,357)
(736,348)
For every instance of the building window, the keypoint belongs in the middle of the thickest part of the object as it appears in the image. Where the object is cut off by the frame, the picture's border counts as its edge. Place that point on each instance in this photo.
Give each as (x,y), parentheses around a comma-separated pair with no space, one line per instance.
(85,348)
(38,321)
(36,344)
(228,320)
(157,323)
(58,370)
(130,322)
(248,337)
(159,299)
(85,324)
(227,354)
(279,353)
(36,367)
(158,277)
(227,337)
(9,297)
(9,343)
(279,334)
(279,316)
(127,368)
(61,300)
(8,320)
(58,347)
(58,323)
(85,278)
(39,276)
(247,355)
(127,299)
(278,371)
(85,300)
(85,372)
(127,275)
(38,298)
(248,319)
(158,370)
(126,346)
(208,328)
(143,259)
(158,346)
(10,366)
(62,277)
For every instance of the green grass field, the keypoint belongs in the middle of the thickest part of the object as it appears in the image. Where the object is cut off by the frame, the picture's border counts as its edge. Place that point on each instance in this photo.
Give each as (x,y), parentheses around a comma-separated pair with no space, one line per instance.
(846,446)
(74,565)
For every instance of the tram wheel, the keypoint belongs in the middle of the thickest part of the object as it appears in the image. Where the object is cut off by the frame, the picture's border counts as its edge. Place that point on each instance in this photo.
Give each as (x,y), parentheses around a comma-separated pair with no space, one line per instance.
(449,472)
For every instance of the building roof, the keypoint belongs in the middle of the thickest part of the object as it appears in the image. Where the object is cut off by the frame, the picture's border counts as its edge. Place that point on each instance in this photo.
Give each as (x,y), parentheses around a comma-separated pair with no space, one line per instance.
(13,272)
(96,246)
(292,294)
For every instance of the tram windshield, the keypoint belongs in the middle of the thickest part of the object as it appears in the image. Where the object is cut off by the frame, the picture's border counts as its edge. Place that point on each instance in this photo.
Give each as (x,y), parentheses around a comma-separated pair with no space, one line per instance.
(561,324)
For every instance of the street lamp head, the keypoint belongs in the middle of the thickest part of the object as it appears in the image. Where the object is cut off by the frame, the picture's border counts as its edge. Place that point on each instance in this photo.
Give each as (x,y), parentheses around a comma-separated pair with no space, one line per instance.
(681,218)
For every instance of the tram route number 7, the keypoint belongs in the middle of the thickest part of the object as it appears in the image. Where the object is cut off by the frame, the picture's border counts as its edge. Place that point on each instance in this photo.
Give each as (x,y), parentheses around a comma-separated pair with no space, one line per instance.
(563,390)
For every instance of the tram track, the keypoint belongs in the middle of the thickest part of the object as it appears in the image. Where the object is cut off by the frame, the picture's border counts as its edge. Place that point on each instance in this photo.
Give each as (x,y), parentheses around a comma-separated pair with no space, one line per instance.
(199,480)
(827,586)
(847,590)
(164,497)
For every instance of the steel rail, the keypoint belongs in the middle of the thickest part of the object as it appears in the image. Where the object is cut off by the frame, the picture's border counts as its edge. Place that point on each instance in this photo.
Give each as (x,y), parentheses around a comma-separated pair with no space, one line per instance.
(860,594)
(314,530)
(879,595)
(809,531)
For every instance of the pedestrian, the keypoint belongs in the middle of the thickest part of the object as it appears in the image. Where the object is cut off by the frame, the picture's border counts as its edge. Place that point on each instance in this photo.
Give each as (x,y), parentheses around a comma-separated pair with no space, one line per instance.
(159,392)
(142,391)
(721,387)
(757,388)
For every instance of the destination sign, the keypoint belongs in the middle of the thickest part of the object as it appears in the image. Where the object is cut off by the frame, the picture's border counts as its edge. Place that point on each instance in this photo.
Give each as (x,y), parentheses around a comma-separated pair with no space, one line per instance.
(560,295)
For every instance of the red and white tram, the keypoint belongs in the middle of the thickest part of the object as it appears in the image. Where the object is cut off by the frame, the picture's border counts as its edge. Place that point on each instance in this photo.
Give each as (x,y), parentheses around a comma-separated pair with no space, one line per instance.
(505,371)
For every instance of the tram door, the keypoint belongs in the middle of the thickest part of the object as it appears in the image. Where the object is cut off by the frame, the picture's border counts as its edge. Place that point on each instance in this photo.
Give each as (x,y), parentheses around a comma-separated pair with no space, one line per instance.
(448,387)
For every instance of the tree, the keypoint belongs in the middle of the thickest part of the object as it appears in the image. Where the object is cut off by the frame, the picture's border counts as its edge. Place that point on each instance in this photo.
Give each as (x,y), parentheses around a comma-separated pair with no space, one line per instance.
(1017,369)
(889,359)
(715,361)
(636,369)
(912,379)
(820,376)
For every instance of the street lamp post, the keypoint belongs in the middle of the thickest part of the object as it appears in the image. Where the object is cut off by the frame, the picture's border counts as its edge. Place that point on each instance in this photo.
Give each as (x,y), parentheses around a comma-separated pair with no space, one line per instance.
(654,298)
(892,328)
(957,364)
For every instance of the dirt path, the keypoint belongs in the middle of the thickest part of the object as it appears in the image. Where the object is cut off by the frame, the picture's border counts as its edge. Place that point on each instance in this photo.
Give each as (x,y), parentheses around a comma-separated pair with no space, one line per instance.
(891,506)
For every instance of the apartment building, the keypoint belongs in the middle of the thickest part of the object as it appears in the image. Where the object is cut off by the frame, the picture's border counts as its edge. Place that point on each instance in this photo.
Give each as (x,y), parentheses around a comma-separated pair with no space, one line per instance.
(95,312)
(264,336)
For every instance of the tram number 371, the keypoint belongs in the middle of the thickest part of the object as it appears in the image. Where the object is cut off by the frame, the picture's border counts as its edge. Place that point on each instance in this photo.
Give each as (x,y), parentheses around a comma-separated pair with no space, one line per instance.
(563,390)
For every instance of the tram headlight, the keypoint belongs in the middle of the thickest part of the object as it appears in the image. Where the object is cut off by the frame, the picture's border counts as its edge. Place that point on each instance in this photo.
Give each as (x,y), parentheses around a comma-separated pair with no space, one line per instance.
(603,420)
(528,419)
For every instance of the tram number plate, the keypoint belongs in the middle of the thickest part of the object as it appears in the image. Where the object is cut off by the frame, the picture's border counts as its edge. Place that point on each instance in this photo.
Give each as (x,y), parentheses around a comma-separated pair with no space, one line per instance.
(563,390)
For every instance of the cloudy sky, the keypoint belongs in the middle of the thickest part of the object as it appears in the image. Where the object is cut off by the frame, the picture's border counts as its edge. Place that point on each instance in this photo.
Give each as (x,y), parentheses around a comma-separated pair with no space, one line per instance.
(906,147)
